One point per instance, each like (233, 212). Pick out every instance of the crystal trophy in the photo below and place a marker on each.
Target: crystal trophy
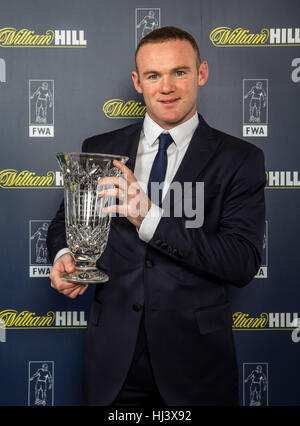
(87, 227)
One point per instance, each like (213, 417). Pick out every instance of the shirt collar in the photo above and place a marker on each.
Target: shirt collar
(181, 134)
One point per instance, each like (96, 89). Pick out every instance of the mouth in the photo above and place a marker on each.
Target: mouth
(168, 101)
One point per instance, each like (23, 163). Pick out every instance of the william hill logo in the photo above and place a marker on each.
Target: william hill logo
(25, 179)
(12, 37)
(117, 108)
(12, 319)
(266, 321)
(229, 37)
(282, 179)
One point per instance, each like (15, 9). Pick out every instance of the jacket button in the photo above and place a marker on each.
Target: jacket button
(149, 263)
(169, 249)
(164, 245)
(158, 242)
(136, 307)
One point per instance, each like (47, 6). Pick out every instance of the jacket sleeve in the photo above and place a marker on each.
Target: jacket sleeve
(233, 253)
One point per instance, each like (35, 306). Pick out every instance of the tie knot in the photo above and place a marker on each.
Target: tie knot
(165, 140)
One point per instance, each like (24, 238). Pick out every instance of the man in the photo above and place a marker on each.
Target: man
(160, 330)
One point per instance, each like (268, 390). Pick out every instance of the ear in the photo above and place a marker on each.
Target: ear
(136, 82)
(203, 73)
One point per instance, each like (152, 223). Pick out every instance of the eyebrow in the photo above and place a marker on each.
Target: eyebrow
(183, 68)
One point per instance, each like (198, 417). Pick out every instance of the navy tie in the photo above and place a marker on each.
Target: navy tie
(159, 167)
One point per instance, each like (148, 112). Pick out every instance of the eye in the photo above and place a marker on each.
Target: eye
(180, 73)
(153, 77)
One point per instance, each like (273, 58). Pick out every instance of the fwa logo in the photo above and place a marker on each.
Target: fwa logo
(41, 383)
(41, 108)
(146, 20)
(255, 107)
(39, 263)
(255, 384)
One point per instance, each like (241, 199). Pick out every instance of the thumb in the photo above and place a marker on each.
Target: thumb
(68, 262)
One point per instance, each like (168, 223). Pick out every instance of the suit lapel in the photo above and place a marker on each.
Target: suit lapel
(202, 147)
(130, 143)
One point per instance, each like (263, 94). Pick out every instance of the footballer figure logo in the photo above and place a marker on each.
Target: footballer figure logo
(40, 383)
(255, 106)
(38, 253)
(41, 108)
(146, 20)
(257, 102)
(255, 381)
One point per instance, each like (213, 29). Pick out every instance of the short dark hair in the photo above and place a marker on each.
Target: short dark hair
(163, 34)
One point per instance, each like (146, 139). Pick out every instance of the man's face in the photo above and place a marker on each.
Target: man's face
(168, 78)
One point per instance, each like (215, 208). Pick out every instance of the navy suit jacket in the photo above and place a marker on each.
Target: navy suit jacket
(179, 277)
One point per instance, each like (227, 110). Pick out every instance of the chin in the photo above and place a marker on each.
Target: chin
(172, 119)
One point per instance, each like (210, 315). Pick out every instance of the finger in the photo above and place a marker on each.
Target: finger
(74, 293)
(83, 289)
(123, 168)
(56, 271)
(122, 209)
(64, 264)
(70, 267)
(126, 172)
(69, 264)
(72, 289)
(78, 290)
(116, 181)
(112, 192)
(63, 286)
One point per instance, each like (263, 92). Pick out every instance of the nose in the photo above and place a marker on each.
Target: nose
(167, 85)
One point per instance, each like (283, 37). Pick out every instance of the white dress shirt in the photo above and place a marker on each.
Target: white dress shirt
(147, 150)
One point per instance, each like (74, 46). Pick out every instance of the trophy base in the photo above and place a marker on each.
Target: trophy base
(86, 276)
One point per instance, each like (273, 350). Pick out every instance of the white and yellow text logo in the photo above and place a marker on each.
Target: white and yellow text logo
(26, 179)
(281, 179)
(230, 37)
(13, 319)
(118, 108)
(24, 37)
(265, 321)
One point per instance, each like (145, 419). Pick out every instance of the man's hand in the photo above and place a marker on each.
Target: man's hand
(135, 203)
(65, 263)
